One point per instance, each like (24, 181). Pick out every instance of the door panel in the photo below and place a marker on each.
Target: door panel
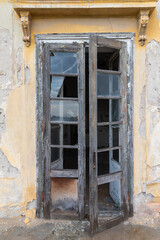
(108, 131)
(64, 121)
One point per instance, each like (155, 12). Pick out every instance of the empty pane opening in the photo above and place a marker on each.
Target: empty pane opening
(109, 197)
(108, 58)
(60, 86)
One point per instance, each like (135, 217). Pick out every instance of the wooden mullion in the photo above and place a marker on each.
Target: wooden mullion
(64, 122)
(107, 178)
(64, 74)
(65, 146)
(64, 99)
(108, 149)
(108, 72)
(109, 42)
(64, 173)
(109, 123)
(109, 97)
(62, 47)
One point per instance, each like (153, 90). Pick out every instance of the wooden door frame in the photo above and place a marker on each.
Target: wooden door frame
(40, 41)
(121, 175)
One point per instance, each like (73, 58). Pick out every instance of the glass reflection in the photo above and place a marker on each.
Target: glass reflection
(64, 110)
(108, 84)
(102, 84)
(115, 110)
(64, 62)
(115, 85)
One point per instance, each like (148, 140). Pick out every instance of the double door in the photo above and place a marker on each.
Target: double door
(85, 136)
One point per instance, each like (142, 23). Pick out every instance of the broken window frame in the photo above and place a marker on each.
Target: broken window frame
(41, 43)
(121, 175)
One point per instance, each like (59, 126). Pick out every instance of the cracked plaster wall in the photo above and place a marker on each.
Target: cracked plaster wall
(17, 107)
(17, 164)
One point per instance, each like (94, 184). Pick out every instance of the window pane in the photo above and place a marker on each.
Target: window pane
(70, 158)
(70, 134)
(55, 154)
(102, 84)
(115, 85)
(103, 136)
(108, 58)
(61, 87)
(115, 110)
(115, 132)
(55, 134)
(103, 110)
(103, 163)
(109, 198)
(108, 84)
(64, 110)
(64, 62)
(116, 155)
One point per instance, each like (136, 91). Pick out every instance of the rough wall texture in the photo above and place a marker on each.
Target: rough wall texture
(147, 201)
(17, 109)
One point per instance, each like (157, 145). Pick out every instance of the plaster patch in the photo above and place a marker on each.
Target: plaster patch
(153, 158)
(19, 67)
(6, 169)
(153, 174)
(142, 127)
(140, 202)
(27, 75)
(10, 188)
(154, 189)
(31, 204)
(158, 10)
(153, 73)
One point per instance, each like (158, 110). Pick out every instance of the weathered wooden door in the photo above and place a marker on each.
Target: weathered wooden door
(108, 196)
(64, 127)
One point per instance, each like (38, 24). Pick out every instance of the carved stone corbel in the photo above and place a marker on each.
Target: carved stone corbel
(143, 20)
(26, 27)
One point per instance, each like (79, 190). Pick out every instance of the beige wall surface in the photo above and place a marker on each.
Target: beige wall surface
(18, 115)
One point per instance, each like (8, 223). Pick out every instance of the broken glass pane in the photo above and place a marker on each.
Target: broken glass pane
(61, 87)
(64, 62)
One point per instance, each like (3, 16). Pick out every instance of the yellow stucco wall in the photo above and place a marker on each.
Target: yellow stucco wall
(18, 142)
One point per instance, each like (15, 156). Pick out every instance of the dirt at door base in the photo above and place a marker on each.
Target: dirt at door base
(39, 229)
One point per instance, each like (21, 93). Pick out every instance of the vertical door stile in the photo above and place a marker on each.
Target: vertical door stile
(117, 185)
(93, 193)
(46, 135)
(123, 132)
(81, 133)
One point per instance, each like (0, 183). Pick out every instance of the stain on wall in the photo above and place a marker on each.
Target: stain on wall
(153, 116)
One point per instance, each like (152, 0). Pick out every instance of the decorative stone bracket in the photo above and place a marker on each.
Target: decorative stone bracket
(143, 20)
(26, 27)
